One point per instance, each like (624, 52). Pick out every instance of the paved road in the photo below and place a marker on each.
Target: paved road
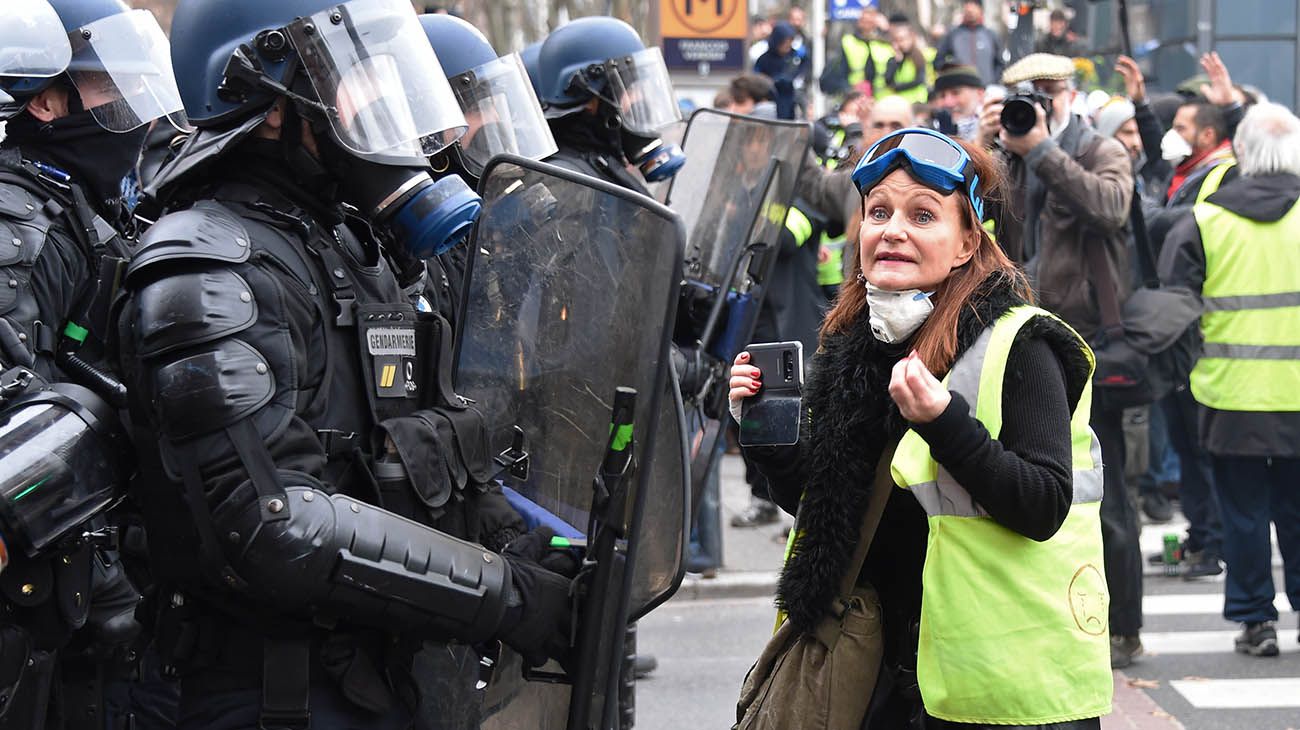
(1189, 675)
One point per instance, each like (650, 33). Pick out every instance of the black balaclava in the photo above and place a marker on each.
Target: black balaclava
(96, 158)
(599, 132)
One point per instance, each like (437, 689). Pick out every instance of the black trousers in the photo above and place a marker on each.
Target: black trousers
(1199, 502)
(1119, 527)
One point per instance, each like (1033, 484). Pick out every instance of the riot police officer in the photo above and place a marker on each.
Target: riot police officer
(87, 80)
(607, 97)
(293, 427)
(504, 117)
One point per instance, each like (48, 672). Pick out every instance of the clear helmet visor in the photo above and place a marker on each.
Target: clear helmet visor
(370, 62)
(503, 114)
(122, 68)
(640, 85)
(33, 43)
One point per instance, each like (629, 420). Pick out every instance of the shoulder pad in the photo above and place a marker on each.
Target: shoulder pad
(209, 390)
(206, 232)
(17, 203)
(19, 242)
(189, 308)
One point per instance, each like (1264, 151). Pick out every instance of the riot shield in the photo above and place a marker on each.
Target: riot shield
(572, 298)
(733, 193)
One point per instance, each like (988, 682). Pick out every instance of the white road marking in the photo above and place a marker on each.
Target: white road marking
(1175, 604)
(1240, 694)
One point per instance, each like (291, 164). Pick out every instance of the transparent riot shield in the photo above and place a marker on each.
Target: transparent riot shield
(733, 193)
(572, 298)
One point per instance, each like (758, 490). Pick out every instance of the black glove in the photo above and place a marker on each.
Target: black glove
(499, 524)
(543, 613)
(535, 545)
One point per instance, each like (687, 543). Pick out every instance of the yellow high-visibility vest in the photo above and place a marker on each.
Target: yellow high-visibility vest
(858, 53)
(1013, 631)
(1250, 358)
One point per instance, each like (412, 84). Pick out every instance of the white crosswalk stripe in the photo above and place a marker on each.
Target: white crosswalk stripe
(1186, 604)
(1231, 694)
(1171, 610)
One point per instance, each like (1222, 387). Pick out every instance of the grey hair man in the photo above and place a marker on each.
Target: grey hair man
(1239, 251)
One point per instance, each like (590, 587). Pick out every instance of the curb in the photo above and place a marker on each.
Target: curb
(734, 584)
(1134, 709)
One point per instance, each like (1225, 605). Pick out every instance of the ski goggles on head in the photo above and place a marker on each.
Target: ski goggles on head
(932, 158)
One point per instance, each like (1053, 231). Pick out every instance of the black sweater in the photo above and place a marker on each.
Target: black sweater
(1023, 478)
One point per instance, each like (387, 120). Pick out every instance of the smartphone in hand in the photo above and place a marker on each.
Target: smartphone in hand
(772, 416)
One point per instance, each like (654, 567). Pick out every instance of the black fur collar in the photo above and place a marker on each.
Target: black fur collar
(852, 419)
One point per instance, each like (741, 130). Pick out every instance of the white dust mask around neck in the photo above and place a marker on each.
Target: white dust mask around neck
(895, 315)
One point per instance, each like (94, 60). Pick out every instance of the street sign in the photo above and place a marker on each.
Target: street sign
(849, 9)
(704, 35)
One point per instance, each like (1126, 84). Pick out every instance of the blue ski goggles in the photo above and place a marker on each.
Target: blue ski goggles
(932, 158)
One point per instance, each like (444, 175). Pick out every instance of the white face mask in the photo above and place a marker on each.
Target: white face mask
(1173, 148)
(895, 315)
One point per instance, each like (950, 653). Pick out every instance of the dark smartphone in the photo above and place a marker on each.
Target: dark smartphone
(772, 416)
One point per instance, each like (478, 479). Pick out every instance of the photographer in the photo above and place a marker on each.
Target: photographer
(1065, 215)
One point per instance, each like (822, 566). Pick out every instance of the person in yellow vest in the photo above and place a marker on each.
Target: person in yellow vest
(909, 72)
(988, 559)
(1240, 251)
(862, 57)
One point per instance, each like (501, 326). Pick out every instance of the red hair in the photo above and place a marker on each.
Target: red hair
(936, 341)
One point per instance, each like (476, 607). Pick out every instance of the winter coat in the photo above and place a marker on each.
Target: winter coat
(1078, 192)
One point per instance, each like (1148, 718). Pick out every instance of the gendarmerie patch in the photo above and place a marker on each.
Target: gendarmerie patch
(390, 341)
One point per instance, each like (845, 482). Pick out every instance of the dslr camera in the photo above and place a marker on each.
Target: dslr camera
(1018, 110)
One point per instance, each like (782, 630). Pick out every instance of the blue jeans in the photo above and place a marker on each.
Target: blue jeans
(1254, 491)
(1165, 463)
(706, 521)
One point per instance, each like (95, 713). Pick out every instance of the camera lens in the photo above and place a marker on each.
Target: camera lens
(1019, 115)
(788, 366)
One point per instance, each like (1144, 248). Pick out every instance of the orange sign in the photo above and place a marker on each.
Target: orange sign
(703, 18)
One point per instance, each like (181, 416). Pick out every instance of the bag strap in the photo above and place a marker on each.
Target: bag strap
(828, 630)
(1142, 239)
(881, 488)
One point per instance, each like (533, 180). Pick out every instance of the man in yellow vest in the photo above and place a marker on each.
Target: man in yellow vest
(1240, 251)
(862, 57)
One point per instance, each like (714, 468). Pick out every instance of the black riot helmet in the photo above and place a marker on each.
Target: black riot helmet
(494, 92)
(364, 77)
(605, 59)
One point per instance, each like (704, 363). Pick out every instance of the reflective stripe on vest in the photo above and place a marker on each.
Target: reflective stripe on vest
(1250, 360)
(799, 226)
(1013, 631)
(1213, 179)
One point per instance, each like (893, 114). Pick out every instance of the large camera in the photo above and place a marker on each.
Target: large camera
(1020, 110)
